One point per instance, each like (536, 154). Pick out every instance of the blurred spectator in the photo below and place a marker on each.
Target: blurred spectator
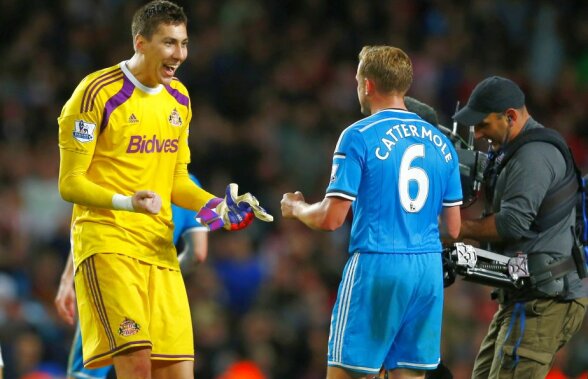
(243, 370)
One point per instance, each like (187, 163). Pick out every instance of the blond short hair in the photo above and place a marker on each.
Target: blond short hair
(389, 67)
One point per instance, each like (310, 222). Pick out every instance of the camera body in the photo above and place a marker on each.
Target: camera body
(471, 170)
(471, 163)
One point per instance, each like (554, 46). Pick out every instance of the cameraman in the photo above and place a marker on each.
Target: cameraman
(531, 324)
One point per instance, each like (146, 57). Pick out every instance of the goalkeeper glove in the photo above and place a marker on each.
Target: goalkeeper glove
(233, 212)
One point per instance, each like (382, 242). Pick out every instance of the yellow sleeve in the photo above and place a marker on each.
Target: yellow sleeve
(75, 187)
(79, 127)
(183, 148)
(185, 193)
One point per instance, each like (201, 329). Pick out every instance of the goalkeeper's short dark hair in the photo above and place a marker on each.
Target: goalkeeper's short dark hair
(424, 111)
(147, 18)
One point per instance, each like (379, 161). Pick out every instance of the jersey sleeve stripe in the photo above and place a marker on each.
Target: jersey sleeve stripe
(344, 195)
(339, 155)
(452, 203)
(401, 120)
(120, 97)
(90, 105)
(180, 97)
(94, 87)
(93, 83)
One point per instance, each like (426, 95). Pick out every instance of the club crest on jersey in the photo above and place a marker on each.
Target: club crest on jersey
(128, 327)
(174, 118)
(84, 131)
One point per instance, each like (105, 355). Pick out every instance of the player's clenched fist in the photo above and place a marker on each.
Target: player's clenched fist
(146, 202)
(289, 201)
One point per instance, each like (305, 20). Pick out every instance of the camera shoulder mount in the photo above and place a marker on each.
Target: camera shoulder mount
(486, 267)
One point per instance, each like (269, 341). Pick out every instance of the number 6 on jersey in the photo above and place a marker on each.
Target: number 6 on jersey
(408, 173)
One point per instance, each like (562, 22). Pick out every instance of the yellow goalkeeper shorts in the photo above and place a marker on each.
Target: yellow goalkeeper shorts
(125, 303)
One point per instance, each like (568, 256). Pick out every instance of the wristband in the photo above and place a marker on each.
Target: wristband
(122, 203)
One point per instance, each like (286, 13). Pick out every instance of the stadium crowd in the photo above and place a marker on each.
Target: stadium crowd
(272, 85)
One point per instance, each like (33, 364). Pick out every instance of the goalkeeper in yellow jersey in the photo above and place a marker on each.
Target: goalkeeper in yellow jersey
(123, 139)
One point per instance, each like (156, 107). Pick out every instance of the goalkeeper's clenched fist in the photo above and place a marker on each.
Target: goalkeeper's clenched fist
(234, 212)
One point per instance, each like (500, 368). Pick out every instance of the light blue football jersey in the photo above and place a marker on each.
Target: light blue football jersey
(399, 171)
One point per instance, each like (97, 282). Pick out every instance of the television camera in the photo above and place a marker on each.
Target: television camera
(536, 272)
(485, 267)
(471, 162)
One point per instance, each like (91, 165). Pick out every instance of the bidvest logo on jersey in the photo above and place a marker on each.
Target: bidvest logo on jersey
(140, 144)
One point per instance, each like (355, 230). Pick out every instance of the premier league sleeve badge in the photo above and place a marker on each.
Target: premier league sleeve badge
(84, 131)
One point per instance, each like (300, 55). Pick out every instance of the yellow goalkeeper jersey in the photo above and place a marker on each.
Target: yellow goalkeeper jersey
(119, 136)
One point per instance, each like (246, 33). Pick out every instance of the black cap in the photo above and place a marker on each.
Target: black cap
(492, 95)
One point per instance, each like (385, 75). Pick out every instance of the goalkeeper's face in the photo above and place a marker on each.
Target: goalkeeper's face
(163, 53)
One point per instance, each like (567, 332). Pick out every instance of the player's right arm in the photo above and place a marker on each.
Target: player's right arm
(79, 127)
(75, 187)
(328, 215)
(331, 212)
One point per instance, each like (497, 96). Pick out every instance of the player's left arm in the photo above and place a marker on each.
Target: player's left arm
(329, 214)
(185, 193)
(233, 212)
(450, 223)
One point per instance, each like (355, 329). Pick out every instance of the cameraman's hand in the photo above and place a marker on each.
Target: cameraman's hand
(449, 273)
(441, 372)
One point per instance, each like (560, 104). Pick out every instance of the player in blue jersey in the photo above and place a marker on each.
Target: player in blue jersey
(195, 241)
(398, 174)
